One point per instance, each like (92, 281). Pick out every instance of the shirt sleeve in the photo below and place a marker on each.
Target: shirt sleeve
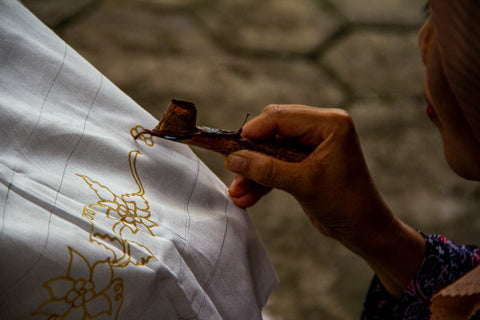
(444, 263)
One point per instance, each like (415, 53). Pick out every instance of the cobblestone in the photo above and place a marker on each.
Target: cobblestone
(231, 57)
(385, 12)
(276, 26)
(368, 61)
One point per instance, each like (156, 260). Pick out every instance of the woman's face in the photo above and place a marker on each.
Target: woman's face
(461, 148)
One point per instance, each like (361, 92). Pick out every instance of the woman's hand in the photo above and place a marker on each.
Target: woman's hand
(332, 184)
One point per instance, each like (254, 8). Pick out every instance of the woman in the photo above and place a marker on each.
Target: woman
(335, 190)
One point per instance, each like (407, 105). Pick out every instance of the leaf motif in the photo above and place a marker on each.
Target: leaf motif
(59, 287)
(102, 276)
(78, 268)
(102, 192)
(140, 255)
(54, 309)
(98, 306)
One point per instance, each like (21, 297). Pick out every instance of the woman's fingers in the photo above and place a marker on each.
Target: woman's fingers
(308, 125)
(239, 186)
(245, 193)
(264, 170)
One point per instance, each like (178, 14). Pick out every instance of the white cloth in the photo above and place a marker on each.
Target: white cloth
(96, 225)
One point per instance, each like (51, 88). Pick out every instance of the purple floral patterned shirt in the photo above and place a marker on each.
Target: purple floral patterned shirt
(445, 262)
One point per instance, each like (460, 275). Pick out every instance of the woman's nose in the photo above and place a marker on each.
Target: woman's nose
(425, 36)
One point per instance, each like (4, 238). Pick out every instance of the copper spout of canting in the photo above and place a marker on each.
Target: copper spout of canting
(178, 123)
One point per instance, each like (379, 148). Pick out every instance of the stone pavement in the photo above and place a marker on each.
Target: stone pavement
(231, 57)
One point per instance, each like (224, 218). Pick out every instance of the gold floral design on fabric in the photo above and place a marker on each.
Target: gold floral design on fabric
(120, 224)
(85, 292)
(147, 138)
(127, 215)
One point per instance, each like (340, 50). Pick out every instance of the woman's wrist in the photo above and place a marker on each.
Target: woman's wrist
(394, 250)
(403, 255)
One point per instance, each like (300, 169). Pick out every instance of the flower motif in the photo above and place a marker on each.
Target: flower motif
(125, 215)
(147, 138)
(129, 212)
(85, 292)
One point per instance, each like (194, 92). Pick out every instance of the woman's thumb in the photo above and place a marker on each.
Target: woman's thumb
(261, 168)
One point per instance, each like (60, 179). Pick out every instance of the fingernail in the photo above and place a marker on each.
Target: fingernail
(236, 164)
